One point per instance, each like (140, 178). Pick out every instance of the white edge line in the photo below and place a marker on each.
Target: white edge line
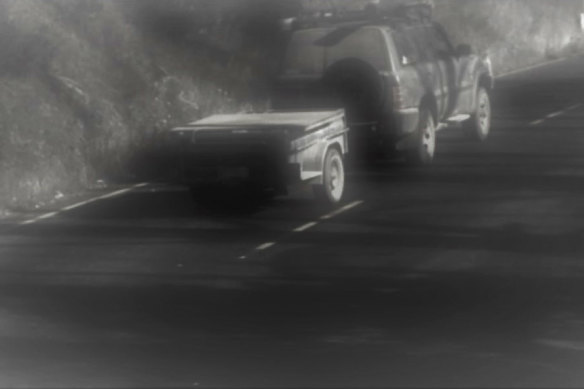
(532, 67)
(536, 122)
(114, 194)
(82, 203)
(47, 215)
(73, 206)
(305, 227)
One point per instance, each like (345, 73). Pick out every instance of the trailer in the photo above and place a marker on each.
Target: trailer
(265, 151)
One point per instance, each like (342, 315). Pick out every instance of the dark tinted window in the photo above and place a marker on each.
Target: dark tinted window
(306, 54)
(406, 46)
(422, 42)
(414, 44)
(438, 41)
(303, 56)
(366, 44)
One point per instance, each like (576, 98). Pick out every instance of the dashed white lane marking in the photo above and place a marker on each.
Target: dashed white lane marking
(306, 226)
(341, 210)
(82, 203)
(554, 114)
(265, 246)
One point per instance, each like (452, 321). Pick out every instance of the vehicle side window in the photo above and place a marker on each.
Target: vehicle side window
(439, 41)
(406, 47)
(422, 42)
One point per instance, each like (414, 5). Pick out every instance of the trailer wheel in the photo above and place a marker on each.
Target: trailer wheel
(333, 177)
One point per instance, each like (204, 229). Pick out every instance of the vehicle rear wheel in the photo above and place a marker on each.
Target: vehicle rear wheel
(333, 176)
(479, 125)
(423, 152)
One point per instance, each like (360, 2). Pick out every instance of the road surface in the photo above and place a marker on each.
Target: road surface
(470, 273)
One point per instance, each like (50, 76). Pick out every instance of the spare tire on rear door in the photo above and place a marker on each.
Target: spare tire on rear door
(359, 88)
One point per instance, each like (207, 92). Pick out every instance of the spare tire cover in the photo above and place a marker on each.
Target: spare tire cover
(357, 86)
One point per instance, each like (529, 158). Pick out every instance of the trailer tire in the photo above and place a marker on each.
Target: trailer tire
(333, 178)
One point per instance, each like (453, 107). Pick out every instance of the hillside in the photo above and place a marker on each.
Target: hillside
(86, 86)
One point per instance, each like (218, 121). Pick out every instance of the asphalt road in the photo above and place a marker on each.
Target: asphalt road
(470, 273)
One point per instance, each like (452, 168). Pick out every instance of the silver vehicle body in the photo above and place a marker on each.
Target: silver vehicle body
(412, 65)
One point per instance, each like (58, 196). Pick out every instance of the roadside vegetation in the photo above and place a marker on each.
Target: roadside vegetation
(515, 33)
(88, 86)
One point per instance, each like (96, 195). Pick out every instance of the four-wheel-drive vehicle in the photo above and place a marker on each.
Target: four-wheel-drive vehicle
(393, 78)
(266, 152)
(395, 73)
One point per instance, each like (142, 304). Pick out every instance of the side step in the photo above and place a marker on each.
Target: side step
(457, 120)
(453, 121)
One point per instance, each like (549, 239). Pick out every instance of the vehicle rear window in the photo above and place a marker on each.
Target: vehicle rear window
(413, 44)
(303, 56)
(306, 56)
(439, 41)
(366, 44)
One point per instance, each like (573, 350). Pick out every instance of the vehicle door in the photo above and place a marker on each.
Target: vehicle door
(439, 72)
(415, 68)
(445, 68)
(456, 72)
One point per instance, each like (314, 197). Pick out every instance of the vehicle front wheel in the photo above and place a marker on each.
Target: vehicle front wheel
(479, 124)
(422, 153)
(333, 178)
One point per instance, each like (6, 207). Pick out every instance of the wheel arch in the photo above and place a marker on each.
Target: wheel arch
(335, 144)
(429, 102)
(486, 81)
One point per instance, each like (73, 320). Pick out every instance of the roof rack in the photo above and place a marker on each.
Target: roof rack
(410, 13)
